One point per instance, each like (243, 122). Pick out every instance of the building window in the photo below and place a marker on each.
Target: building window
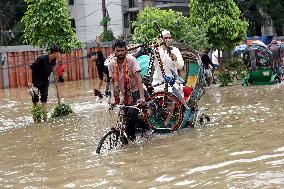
(71, 2)
(126, 20)
(131, 3)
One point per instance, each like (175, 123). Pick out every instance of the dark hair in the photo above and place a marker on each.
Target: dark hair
(91, 53)
(119, 43)
(207, 50)
(54, 48)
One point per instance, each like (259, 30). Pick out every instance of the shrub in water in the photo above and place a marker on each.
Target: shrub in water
(233, 71)
(37, 113)
(224, 78)
(61, 110)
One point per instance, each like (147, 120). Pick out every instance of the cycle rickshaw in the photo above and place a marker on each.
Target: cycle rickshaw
(259, 62)
(185, 112)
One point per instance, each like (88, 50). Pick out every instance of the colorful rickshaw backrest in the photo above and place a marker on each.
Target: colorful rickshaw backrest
(257, 55)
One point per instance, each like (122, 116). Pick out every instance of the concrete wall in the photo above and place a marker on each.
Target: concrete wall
(88, 14)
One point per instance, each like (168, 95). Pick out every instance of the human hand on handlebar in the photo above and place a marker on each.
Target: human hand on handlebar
(141, 102)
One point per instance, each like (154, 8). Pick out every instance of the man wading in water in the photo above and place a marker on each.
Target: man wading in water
(127, 82)
(41, 70)
(98, 58)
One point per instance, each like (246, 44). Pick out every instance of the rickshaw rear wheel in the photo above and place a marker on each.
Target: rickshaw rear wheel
(159, 103)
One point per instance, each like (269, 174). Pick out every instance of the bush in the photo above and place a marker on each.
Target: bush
(224, 78)
(233, 71)
(61, 110)
(37, 113)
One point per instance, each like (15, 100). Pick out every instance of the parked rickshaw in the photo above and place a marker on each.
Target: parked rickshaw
(259, 62)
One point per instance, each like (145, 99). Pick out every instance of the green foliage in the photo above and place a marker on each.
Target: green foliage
(37, 113)
(47, 22)
(105, 21)
(237, 67)
(221, 18)
(107, 36)
(15, 35)
(11, 12)
(145, 31)
(61, 110)
(195, 37)
(253, 11)
(224, 78)
(233, 71)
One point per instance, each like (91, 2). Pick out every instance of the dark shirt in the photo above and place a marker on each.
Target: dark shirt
(100, 60)
(41, 70)
(206, 61)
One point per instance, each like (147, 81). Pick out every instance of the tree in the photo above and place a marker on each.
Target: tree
(104, 10)
(47, 22)
(11, 12)
(179, 26)
(107, 34)
(195, 37)
(222, 20)
(259, 12)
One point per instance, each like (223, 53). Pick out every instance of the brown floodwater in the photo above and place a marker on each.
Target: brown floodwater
(242, 147)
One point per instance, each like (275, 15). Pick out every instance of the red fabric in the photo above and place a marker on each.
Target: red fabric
(60, 70)
(187, 92)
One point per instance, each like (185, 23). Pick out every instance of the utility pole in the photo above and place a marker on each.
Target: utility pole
(104, 14)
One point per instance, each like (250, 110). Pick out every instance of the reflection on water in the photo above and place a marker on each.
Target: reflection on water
(241, 148)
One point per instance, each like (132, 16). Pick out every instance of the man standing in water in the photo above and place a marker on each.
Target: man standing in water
(41, 70)
(98, 58)
(124, 71)
(206, 64)
(277, 60)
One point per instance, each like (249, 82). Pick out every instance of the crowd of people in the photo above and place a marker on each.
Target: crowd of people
(123, 75)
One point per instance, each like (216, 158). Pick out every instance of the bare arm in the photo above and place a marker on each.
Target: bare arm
(98, 41)
(140, 85)
(112, 91)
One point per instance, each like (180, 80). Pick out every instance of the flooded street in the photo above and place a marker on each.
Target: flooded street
(243, 146)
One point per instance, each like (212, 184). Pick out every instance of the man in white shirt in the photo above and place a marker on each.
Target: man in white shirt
(172, 60)
(215, 59)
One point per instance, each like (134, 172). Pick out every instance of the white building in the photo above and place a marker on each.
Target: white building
(87, 15)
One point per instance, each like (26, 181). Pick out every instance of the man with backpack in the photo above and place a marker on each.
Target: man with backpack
(41, 70)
